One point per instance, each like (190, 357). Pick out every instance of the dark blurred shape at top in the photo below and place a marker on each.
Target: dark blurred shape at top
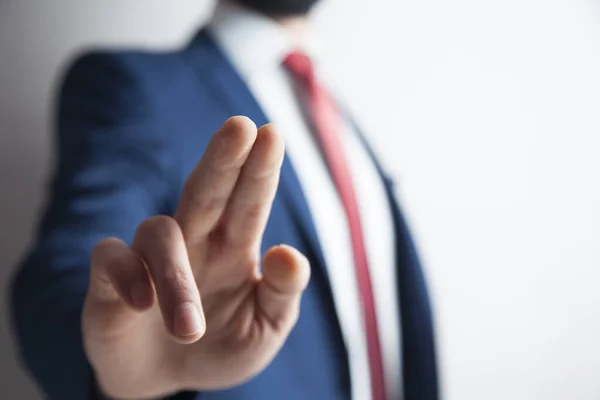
(280, 8)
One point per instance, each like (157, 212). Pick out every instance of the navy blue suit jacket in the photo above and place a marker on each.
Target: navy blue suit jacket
(130, 127)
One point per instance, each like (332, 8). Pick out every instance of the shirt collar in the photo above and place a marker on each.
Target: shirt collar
(252, 41)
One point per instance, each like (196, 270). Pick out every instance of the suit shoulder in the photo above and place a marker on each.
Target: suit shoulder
(133, 80)
(123, 65)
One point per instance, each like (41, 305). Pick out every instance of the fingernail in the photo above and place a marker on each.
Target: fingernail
(141, 295)
(187, 320)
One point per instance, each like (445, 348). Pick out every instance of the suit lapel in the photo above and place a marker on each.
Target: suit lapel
(420, 375)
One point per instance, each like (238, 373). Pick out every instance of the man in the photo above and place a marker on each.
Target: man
(146, 281)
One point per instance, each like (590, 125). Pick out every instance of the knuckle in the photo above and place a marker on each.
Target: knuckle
(103, 253)
(174, 274)
(249, 260)
(228, 161)
(253, 210)
(200, 200)
(109, 261)
(210, 203)
(159, 226)
(101, 249)
(176, 283)
(264, 170)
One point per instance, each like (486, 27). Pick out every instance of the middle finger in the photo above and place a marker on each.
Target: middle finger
(248, 209)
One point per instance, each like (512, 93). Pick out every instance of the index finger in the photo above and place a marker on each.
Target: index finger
(210, 184)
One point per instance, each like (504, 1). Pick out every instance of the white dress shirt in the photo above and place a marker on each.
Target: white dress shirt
(257, 46)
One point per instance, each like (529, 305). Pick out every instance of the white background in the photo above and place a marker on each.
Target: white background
(488, 114)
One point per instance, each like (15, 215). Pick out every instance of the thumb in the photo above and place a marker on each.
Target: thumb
(286, 273)
(119, 286)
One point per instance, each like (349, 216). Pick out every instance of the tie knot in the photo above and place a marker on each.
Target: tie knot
(300, 65)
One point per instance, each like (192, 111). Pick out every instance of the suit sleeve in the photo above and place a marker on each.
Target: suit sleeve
(111, 172)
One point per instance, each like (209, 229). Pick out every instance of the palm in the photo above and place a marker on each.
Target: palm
(205, 259)
(239, 333)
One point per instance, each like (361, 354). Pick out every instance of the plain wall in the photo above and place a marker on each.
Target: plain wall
(488, 114)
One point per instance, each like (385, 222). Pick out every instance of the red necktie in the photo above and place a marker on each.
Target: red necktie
(328, 124)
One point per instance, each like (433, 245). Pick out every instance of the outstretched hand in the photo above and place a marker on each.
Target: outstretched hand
(186, 307)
